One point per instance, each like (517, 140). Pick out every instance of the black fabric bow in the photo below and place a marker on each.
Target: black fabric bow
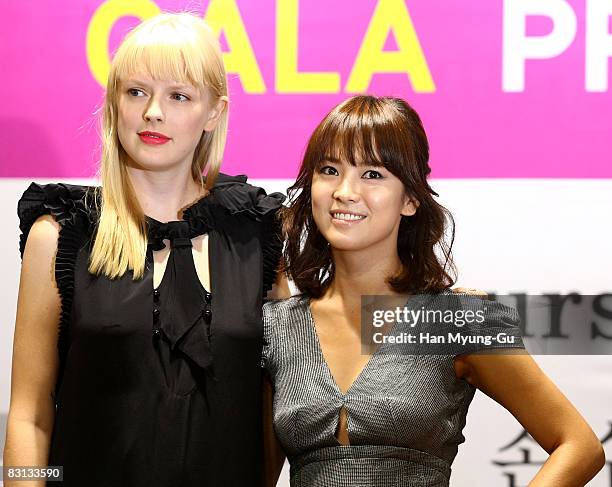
(178, 232)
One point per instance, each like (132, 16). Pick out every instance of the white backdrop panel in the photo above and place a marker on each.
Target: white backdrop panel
(530, 236)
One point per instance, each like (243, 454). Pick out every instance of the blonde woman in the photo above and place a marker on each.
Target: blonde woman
(138, 332)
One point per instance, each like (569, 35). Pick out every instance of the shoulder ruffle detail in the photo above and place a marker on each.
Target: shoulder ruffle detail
(232, 196)
(238, 197)
(271, 247)
(66, 203)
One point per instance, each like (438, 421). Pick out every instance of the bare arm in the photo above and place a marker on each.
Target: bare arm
(35, 358)
(274, 457)
(517, 383)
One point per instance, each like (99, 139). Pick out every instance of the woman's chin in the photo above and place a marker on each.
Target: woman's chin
(348, 244)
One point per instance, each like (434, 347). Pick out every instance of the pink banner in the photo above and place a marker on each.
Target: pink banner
(510, 89)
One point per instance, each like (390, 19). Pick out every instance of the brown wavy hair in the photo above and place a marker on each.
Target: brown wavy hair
(386, 132)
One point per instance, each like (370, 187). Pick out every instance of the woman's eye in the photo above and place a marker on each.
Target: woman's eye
(134, 92)
(372, 175)
(329, 170)
(180, 97)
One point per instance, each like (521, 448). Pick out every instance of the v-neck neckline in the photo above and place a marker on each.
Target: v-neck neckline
(326, 366)
(313, 327)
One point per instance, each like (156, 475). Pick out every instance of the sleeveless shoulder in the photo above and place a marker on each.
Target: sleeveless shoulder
(231, 200)
(483, 323)
(501, 323)
(71, 205)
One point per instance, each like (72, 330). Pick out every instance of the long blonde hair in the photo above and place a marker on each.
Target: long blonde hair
(180, 47)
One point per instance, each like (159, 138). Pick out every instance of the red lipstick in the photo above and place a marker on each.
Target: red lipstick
(153, 138)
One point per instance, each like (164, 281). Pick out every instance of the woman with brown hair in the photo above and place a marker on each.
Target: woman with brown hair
(363, 222)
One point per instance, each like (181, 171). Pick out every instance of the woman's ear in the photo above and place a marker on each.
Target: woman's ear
(215, 114)
(410, 206)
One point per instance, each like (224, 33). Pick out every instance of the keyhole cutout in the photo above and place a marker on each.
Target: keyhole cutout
(199, 252)
(342, 429)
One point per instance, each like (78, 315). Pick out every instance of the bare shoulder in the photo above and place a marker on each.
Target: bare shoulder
(471, 291)
(42, 242)
(44, 231)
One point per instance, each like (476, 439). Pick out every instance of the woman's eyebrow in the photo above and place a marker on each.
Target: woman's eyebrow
(134, 81)
(181, 86)
(173, 86)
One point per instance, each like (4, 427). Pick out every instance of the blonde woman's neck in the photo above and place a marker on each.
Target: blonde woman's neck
(164, 195)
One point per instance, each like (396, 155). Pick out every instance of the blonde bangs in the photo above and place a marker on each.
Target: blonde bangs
(178, 47)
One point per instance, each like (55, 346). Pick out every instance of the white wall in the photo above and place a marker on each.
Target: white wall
(512, 235)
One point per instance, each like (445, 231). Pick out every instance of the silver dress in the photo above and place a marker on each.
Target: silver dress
(405, 413)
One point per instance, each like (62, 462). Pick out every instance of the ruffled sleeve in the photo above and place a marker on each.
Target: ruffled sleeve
(272, 247)
(67, 204)
(233, 196)
(241, 198)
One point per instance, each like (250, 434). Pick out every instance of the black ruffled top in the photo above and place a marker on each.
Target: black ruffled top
(161, 387)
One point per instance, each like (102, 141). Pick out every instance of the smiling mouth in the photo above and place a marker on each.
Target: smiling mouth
(351, 217)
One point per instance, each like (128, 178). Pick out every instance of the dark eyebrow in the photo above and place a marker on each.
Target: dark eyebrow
(335, 160)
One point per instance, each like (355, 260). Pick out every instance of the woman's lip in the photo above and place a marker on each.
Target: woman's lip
(344, 212)
(152, 140)
(342, 222)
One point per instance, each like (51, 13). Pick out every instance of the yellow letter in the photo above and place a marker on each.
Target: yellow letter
(390, 15)
(223, 15)
(288, 79)
(100, 27)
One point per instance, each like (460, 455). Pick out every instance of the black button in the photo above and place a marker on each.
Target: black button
(156, 312)
(156, 295)
(156, 332)
(208, 297)
(207, 314)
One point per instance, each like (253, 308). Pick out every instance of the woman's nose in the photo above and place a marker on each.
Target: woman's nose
(347, 190)
(154, 111)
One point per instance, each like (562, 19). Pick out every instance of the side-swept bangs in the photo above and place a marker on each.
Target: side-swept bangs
(367, 130)
(343, 136)
(372, 131)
